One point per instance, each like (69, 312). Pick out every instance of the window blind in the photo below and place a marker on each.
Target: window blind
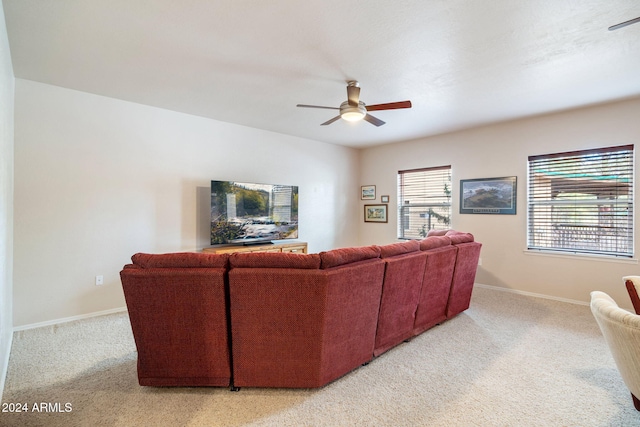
(424, 201)
(582, 201)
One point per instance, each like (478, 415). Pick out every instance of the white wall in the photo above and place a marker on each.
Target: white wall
(99, 179)
(502, 150)
(6, 199)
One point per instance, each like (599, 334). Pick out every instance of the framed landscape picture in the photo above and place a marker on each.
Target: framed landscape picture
(488, 196)
(375, 213)
(368, 192)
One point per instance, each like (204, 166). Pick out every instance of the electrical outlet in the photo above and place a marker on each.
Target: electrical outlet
(99, 280)
(479, 261)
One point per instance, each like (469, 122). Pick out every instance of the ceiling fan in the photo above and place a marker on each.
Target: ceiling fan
(353, 109)
(624, 24)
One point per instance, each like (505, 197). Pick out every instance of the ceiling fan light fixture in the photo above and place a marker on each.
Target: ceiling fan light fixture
(351, 113)
(352, 116)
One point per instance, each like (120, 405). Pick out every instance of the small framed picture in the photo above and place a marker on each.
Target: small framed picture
(368, 192)
(384, 199)
(375, 213)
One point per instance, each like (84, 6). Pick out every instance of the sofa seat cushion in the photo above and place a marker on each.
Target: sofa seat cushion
(394, 249)
(180, 260)
(434, 242)
(338, 257)
(275, 260)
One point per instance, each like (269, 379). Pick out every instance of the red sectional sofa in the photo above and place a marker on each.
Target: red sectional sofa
(303, 321)
(404, 271)
(436, 283)
(178, 312)
(289, 320)
(468, 254)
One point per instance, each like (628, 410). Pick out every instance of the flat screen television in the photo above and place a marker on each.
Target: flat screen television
(247, 213)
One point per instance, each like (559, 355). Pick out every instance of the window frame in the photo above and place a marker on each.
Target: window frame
(405, 217)
(562, 191)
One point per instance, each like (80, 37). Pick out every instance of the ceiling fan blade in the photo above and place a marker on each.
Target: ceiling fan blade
(389, 106)
(353, 93)
(317, 106)
(373, 120)
(328, 122)
(624, 24)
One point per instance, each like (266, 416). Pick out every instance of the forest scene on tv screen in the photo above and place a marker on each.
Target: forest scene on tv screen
(246, 212)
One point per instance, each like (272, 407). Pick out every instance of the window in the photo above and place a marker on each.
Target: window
(424, 201)
(582, 202)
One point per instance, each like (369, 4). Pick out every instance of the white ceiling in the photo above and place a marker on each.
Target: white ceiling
(462, 63)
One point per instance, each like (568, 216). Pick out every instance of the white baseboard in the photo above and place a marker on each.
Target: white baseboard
(69, 319)
(532, 294)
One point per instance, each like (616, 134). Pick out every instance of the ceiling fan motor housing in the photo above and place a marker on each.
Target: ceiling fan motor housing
(352, 113)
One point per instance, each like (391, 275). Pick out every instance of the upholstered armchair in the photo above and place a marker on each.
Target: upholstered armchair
(621, 330)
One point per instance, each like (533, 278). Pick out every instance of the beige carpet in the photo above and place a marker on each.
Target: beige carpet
(509, 360)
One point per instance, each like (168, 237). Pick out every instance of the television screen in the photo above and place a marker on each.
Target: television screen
(243, 212)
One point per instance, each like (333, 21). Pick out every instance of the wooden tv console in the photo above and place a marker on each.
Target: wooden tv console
(294, 247)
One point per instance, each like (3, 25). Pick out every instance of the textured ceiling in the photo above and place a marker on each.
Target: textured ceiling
(462, 63)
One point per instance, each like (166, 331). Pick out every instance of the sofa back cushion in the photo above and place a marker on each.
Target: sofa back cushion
(458, 237)
(433, 242)
(275, 260)
(337, 257)
(394, 249)
(180, 260)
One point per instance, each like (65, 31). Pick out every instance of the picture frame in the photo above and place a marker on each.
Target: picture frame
(375, 213)
(368, 192)
(488, 196)
(384, 199)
